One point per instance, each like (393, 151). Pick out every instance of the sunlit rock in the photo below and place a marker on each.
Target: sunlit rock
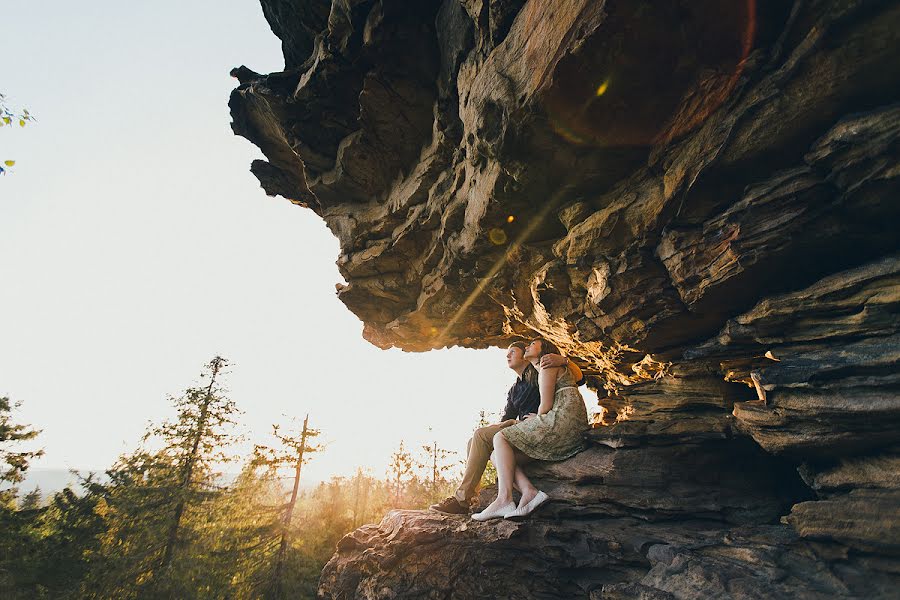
(695, 200)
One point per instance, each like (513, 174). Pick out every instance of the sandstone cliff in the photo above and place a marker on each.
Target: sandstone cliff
(677, 193)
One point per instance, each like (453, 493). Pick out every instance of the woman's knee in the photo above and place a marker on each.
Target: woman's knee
(499, 440)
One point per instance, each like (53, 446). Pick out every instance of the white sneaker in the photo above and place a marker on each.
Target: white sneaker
(522, 511)
(496, 513)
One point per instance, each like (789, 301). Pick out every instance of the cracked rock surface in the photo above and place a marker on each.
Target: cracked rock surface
(678, 194)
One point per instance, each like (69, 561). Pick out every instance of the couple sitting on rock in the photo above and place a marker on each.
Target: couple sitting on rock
(545, 419)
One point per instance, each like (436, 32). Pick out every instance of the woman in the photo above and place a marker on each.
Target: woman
(554, 433)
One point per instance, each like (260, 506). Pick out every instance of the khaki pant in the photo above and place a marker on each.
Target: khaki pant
(479, 449)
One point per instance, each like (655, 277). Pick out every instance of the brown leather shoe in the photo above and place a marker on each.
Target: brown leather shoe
(450, 506)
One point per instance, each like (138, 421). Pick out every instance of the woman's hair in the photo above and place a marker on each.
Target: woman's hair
(530, 375)
(547, 347)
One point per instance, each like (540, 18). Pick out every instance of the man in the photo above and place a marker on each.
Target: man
(522, 402)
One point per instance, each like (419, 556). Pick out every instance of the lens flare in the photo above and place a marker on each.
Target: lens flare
(673, 67)
(504, 258)
(497, 236)
(510, 219)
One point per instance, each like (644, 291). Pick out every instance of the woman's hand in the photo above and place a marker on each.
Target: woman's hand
(553, 360)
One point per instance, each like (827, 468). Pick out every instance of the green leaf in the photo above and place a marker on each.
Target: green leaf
(9, 163)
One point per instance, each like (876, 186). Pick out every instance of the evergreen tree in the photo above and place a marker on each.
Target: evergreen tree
(161, 526)
(67, 532)
(157, 499)
(196, 439)
(16, 539)
(32, 500)
(437, 464)
(246, 522)
(295, 451)
(47, 548)
(362, 492)
(401, 473)
(13, 460)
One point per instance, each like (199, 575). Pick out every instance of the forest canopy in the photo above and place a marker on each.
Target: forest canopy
(165, 520)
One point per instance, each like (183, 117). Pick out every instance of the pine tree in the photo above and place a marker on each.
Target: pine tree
(400, 468)
(156, 500)
(69, 529)
(295, 451)
(247, 522)
(32, 500)
(437, 465)
(361, 490)
(196, 439)
(13, 460)
(16, 537)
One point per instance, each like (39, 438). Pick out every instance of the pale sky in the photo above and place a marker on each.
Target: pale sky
(135, 245)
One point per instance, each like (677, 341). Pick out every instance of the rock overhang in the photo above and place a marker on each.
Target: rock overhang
(687, 199)
(418, 133)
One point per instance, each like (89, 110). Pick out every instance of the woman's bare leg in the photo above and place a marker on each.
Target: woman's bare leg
(525, 486)
(505, 464)
(515, 482)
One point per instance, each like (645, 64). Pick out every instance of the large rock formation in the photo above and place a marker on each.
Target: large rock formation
(696, 199)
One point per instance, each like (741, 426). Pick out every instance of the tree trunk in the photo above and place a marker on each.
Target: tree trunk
(172, 538)
(434, 449)
(356, 498)
(289, 514)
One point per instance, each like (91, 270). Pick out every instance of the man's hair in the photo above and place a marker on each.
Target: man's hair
(530, 374)
(518, 344)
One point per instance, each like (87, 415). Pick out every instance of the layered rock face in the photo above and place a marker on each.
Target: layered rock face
(696, 199)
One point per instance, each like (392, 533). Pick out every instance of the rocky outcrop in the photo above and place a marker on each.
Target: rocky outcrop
(833, 366)
(680, 521)
(697, 200)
